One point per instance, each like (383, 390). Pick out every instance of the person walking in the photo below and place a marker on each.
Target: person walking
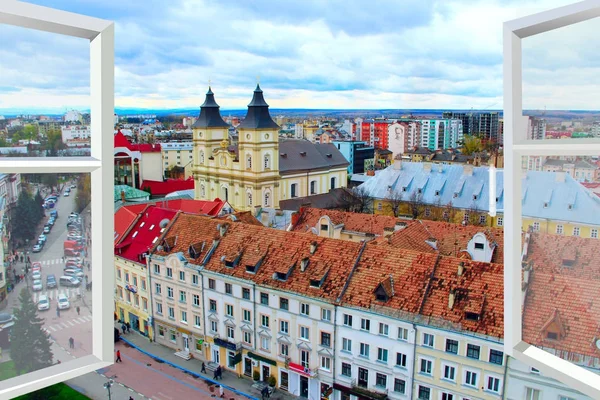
(216, 375)
(71, 343)
(124, 328)
(203, 370)
(57, 311)
(78, 310)
(128, 325)
(119, 356)
(219, 372)
(221, 391)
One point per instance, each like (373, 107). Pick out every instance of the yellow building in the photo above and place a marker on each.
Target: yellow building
(132, 299)
(178, 155)
(261, 169)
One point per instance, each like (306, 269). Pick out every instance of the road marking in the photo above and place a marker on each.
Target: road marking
(65, 325)
(77, 321)
(53, 329)
(72, 324)
(83, 320)
(87, 318)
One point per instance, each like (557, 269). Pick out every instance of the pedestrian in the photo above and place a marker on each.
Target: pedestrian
(128, 325)
(130, 398)
(203, 370)
(124, 328)
(119, 356)
(71, 343)
(88, 266)
(216, 375)
(57, 311)
(220, 372)
(78, 310)
(264, 392)
(221, 391)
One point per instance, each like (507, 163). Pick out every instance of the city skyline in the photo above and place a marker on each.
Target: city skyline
(434, 56)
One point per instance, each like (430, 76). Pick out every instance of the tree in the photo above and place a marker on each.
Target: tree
(30, 132)
(394, 203)
(471, 144)
(362, 200)
(50, 180)
(84, 193)
(449, 212)
(15, 138)
(54, 142)
(28, 214)
(29, 343)
(416, 204)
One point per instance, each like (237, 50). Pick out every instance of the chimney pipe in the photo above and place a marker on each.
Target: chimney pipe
(461, 269)
(303, 264)
(223, 229)
(451, 298)
(313, 247)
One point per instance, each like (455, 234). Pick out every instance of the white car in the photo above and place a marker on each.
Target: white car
(43, 303)
(36, 275)
(37, 285)
(63, 302)
(66, 194)
(42, 238)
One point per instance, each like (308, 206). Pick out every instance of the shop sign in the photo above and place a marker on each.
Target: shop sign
(226, 344)
(300, 369)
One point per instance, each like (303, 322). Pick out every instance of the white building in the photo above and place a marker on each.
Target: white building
(403, 136)
(73, 116)
(75, 132)
(440, 133)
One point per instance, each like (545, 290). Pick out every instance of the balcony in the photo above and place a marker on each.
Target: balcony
(359, 390)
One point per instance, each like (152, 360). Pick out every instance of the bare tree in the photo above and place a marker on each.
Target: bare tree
(416, 205)
(363, 202)
(437, 212)
(449, 212)
(474, 214)
(394, 202)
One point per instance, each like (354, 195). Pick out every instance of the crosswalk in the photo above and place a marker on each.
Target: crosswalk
(71, 293)
(47, 263)
(82, 320)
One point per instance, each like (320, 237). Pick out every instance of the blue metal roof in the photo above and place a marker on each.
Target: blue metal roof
(567, 199)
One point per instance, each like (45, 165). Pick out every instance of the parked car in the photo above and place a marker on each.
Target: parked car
(77, 273)
(51, 282)
(66, 194)
(37, 285)
(73, 186)
(43, 303)
(42, 238)
(35, 275)
(63, 302)
(74, 264)
(46, 229)
(37, 248)
(51, 221)
(69, 281)
(54, 214)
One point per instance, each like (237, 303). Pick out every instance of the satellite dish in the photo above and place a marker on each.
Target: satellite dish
(164, 223)
(598, 343)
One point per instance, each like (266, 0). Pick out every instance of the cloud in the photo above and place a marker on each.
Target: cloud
(308, 54)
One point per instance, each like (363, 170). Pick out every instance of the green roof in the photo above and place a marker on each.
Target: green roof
(130, 193)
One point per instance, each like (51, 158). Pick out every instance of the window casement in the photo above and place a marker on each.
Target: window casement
(267, 161)
(470, 378)
(428, 340)
(425, 366)
(248, 161)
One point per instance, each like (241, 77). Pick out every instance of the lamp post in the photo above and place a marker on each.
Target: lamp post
(108, 385)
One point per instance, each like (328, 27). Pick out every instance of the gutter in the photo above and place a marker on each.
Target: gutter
(149, 279)
(413, 385)
(254, 319)
(335, 308)
(505, 376)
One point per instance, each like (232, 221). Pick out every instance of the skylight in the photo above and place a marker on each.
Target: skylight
(151, 227)
(142, 224)
(155, 239)
(134, 234)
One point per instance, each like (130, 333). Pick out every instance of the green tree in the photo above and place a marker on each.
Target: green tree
(50, 180)
(471, 144)
(28, 214)
(15, 138)
(54, 142)
(84, 193)
(29, 344)
(30, 132)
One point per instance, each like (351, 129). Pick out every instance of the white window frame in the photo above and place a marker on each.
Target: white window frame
(516, 146)
(99, 165)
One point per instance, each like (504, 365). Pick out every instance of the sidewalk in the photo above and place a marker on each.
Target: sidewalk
(230, 379)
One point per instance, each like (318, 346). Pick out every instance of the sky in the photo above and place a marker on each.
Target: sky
(333, 54)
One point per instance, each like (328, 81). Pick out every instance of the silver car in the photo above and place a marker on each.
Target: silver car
(37, 285)
(43, 303)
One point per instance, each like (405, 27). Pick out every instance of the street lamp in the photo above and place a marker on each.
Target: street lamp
(109, 384)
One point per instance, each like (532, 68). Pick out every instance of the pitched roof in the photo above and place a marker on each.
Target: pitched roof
(158, 188)
(309, 217)
(302, 155)
(258, 116)
(122, 141)
(335, 198)
(131, 193)
(244, 217)
(124, 217)
(564, 280)
(144, 233)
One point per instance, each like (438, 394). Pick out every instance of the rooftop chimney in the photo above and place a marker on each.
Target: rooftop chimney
(432, 242)
(303, 264)
(123, 196)
(451, 298)
(223, 229)
(397, 164)
(313, 247)
(461, 269)
(400, 225)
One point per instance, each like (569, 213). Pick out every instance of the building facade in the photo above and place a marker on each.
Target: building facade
(356, 152)
(178, 155)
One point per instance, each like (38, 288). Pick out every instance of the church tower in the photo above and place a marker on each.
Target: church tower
(258, 152)
(209, 132)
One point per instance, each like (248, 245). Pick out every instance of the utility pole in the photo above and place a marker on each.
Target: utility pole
(108, 385)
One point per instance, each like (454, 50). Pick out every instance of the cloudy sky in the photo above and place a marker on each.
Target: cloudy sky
(307, 54)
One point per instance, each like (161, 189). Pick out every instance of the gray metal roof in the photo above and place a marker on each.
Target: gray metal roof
(301, 155)
(258, 116)
(210, 116)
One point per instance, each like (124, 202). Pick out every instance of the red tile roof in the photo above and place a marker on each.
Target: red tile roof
(204, 207)
(158, 188)
(564, 281)
(245, 217)
(142, 235)
(124, 217)
(122, 141)
(308, 218)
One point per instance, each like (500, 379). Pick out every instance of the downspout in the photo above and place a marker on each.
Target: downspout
(335, 307)
(202, 264)
(149, 280)
(254, 315)
(413, 384)
(505, 376)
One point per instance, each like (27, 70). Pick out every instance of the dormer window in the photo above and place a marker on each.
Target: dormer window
(546, 205)
(552, 335)
(455, 195)
(474, 197)
(570, 206)
(437, 192)
(471, 316)
(404, 189)
(497, 199)
(479, 246)
(324, 227)
(281, 276)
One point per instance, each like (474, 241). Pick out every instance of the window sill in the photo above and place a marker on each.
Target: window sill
(172, 318)
(448, 380)
(400, 367)
(470, 387)
(184, 322)
(425, 374)
(381, 362)
(363, 357)
(346, 351)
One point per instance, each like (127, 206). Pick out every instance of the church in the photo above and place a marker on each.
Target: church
(261, 169)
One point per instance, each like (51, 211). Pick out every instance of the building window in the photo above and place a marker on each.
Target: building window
(347, 345)
(195, 280)
(265, 343)
(305, 358)
(473, 351)
(247, 337)
(294, 190)
(313, 187)
(304, 309)
(347, 370)
(559, 229)
(348, 320)
(249, 198)
(326, 363)
(533, 394)
(482, 219)
(264, 321)
(426, 366)
(401, 360)
(264, 299)
(169, 292)
(325, 339)
(493, 384)
(471, 378)
(451, 346)
(246, 293)
(173, 336)
(230, 332)
(267, 161)
(158, 288)
(228, 288)
(201, 157)
(284, 327)
(182, 296)
(427, 212)
(427, 340)
(214, 327)
(304, 333)
(197, 321)
(184, 317)
(364, 350)
(169, 272)
(380, 380)
(447, 396)
(594, 234)
(212, 305)
(246, 315)
(284, 349)
(248, 161)
(536, 226)
(384, 329)
(284, 303)
(267, 199)
(496, 357)
(402, 333)
(229, 310)
(449, 372)
(159, 309)
(399, 386)
(182, 276)
(365, 324)
(500, 221)
(171, 312)
(161, 331)
(324, 227)
(211, 284)
(332, 182)
(202, 190)
(382, 355)
(424, 393)
(325, 314)
(576, 231)
(196, 300)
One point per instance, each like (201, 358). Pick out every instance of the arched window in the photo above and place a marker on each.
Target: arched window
(267, 199)
(202, 190)
(249, 198)
(313, 187)
(201, 157)
(267, 161)
(333, 183)
(248, 161)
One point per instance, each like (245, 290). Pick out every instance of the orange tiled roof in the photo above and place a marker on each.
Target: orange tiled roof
(188, 229)
(245, 217)
(355, 222)
(564, 282)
